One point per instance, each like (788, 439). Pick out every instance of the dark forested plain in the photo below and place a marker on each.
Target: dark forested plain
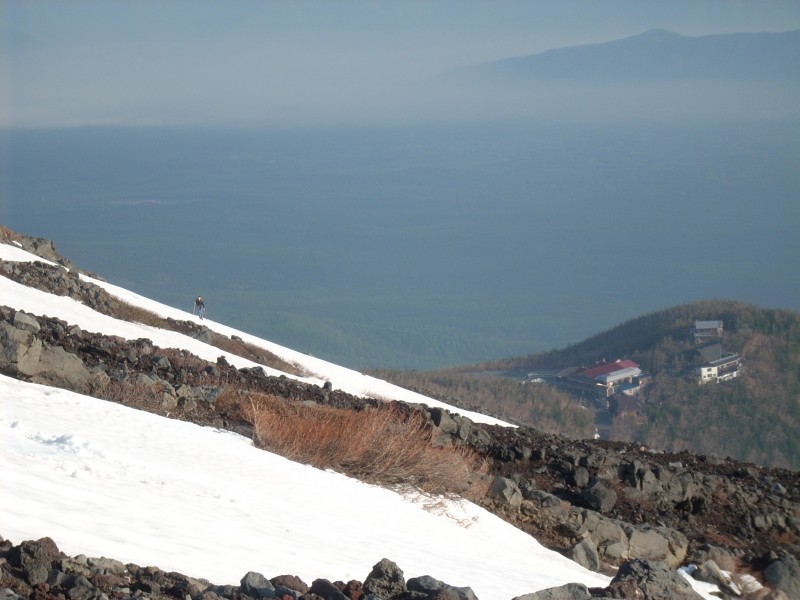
(422, 246)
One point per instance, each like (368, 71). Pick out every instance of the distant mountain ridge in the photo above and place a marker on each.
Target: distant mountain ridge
(656, 55)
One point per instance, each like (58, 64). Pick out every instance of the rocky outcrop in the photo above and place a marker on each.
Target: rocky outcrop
(38, 570)
(35, 245)
(64, 282)
(60, 281)
(630, 502)
(596, 536)
(25, 356)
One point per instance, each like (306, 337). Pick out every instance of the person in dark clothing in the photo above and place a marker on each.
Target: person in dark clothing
(199, 307)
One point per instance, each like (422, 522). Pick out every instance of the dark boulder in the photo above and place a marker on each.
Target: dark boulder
(35, 559)
(784, 575)
(600, 496)
(80, 588)
(292, 582)
(570, 591)
(354, 590)
(585, 554)
(327, 590)
(652, 580)
(506, 491)
(256, 585)
(385, 580)
(710, 572)
(435, 589)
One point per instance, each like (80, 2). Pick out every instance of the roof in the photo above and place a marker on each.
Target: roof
(619, 374)
(732, 358)
(708, 324)
(607, 368)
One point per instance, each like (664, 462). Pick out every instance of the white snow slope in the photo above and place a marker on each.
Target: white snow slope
(105, 480)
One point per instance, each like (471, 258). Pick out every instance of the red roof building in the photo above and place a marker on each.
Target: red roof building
(605, 369)
(604, 380)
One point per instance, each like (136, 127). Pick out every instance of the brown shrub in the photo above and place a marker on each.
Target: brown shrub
(183, 359)
(233, 404)
(256, 354)
(135, 394)
(128, 312)
(377, 445)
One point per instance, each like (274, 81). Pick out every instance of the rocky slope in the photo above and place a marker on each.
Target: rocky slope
(37, 570)
(606, 505)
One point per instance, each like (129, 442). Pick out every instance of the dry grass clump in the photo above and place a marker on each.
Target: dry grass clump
(256, 354)
(134, 314)
(377, 445)
(183, 359)
(141, 394)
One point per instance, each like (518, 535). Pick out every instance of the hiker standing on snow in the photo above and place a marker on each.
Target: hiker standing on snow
(199, 307)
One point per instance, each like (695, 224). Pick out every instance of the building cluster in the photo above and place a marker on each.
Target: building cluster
(617, 385)
(718, 364)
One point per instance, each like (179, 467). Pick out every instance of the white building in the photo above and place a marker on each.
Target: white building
(719, 370)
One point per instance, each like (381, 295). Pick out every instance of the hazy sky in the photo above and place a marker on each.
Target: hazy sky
(241, 62)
